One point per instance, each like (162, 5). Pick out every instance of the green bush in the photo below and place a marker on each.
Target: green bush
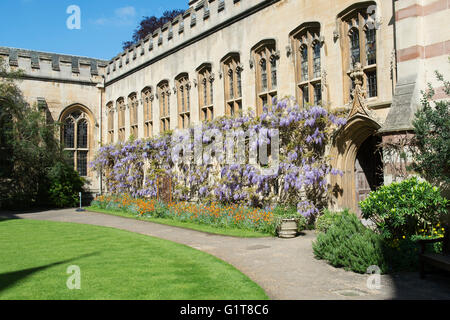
(324, 221)
(403, 208)
(65, 185)
(349, 244)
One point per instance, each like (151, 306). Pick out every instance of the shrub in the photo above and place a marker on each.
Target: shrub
(403, 208)
(65, 185)
(349, 244)
(328, 218)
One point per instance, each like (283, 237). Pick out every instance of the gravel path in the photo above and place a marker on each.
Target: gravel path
(285, 268)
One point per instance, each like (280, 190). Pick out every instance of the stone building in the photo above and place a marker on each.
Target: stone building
(369, 59)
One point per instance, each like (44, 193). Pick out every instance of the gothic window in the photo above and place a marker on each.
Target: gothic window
(360, 41)
(75, 137)
(133, 106)
(121, 111)
(206, 92)
(265, 57)
(147, 98)
(184, 109)
(307, 46)
(164, 105)
(232, 69)
(110, 111)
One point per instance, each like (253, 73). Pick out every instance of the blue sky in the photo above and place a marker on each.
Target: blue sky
(41, 24)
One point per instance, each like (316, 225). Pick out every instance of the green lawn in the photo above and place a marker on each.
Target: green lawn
(234, 232)
(114, 264)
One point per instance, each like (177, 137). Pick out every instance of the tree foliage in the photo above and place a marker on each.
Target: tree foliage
(149, 24)
(432, 137)
(28, 145)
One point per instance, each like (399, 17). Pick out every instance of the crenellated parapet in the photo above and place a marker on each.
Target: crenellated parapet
(52, 66)
(203, 18)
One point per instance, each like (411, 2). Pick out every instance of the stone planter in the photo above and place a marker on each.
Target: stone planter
(288, 228)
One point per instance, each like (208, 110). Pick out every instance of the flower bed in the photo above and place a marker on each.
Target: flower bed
(214, 214)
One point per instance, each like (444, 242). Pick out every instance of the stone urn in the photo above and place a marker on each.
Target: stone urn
(288, 228)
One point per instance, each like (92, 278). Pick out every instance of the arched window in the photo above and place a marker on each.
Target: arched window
(184, 109)
(206, 92)
(121, 109)
(110, 111)
(265, 56)
(232, 70)
(147, 99)
(307, 45)
(164, 105)
(359, 46)
(133, 106)
(75, 137)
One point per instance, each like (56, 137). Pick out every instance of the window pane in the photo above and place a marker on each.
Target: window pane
(304, 63)
(69, 134)
(354, 47)
(182, 99)
(317, 93)
(205, 93)
(188, 101)
(372, 83)
(231, 84)
(305, 96)
(82, 163)
(371, 46)
(317, 66)
(263, 75)
(239, 84)
(82, 132)
(211, 92)
(273, 71)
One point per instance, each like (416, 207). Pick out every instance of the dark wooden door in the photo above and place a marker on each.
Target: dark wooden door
(361, 184)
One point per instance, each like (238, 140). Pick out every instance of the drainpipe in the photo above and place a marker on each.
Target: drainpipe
(101, 87)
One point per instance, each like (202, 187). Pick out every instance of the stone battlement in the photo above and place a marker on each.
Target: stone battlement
(44, 65)
(200, 20)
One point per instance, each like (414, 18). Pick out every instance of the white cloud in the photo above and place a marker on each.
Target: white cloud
(122, 16)
(125, 12)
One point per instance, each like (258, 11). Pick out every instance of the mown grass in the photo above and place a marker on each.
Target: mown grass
(234, 232)
(114, 264)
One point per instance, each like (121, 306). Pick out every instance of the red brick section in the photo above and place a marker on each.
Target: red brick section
(417, 10)
(421, 52)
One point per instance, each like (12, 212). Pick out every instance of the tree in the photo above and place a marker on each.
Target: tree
(150, 24)
(432, 137)
(29, 148)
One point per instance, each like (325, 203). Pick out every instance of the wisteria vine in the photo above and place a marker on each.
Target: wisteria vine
(300, 178)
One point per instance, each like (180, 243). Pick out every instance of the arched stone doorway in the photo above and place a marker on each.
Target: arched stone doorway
(352, 145)
(368, 168)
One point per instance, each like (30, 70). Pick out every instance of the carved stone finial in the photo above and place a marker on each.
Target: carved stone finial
(335, 35)
(359, 104)
(288, 51)
(251, 63)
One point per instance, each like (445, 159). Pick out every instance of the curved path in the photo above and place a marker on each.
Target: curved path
(285, 268)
